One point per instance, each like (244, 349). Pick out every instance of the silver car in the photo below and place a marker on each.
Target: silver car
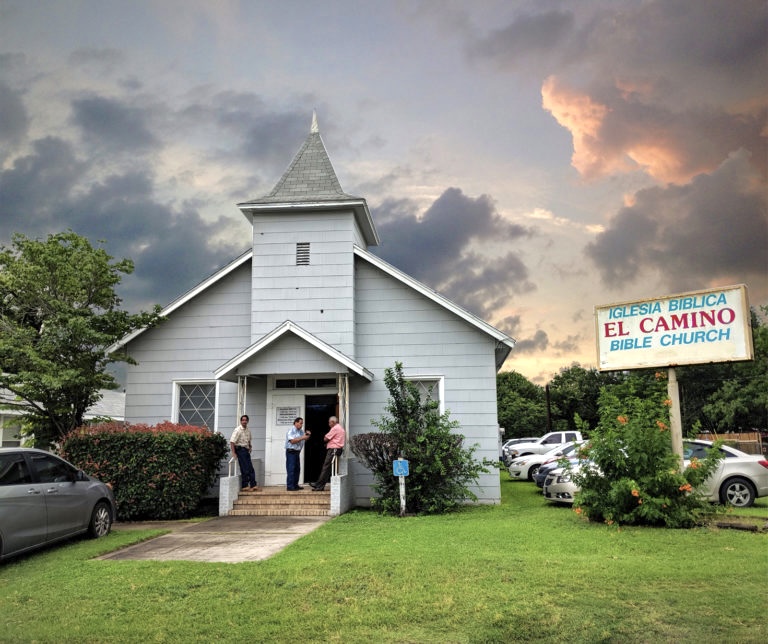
(44, 499)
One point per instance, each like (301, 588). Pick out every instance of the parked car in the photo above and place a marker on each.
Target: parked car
(553, 463)
(44, 499)
(509, 446)
(526, 467)
(559, 487)
(544, 444)
(739, 479)
(546, 468)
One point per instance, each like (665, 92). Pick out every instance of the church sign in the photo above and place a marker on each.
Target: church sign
(691, 328)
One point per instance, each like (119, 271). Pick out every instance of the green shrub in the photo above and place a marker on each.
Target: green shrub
(440, 467)
(156, 472)
(631, 475)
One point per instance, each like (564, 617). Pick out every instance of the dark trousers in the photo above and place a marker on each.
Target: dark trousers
(247, 473)
(325, 473)
(292, 468)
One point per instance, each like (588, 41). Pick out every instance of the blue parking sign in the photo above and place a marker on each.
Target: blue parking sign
(400, 467)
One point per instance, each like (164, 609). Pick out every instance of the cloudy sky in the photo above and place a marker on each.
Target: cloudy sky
(529, 159)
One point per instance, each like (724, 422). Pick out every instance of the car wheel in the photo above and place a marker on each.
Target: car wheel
(738, 492)
(101, 520)
(532, 472)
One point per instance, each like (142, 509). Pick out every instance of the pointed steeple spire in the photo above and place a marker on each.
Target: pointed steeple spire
(310, 184)
(310, 177)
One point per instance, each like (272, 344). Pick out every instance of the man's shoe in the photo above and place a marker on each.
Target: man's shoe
(318, 489)
(300, 487)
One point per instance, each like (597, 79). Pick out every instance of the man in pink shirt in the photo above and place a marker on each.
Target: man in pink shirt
(334, 445)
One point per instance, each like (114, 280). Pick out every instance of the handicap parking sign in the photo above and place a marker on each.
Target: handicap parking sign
(400, 467)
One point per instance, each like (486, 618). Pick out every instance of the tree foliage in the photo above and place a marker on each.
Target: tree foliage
(574, 391)
(521, 405)
(59, 313)
(440, 466)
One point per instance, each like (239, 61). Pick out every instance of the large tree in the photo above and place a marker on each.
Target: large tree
(576, 390)
(522, 408)
(59, 313)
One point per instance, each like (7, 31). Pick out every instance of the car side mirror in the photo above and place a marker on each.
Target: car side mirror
(80, 476)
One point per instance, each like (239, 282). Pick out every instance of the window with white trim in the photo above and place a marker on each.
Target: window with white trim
(197, 404)
(429, 387)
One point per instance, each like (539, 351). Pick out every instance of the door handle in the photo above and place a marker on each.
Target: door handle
(52, 490)
(33, 491)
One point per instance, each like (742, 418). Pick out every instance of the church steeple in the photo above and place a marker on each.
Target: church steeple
(310, 183)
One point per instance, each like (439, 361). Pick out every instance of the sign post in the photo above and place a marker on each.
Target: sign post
(400, 470)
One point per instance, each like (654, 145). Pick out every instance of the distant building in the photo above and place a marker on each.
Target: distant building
(305, 324)
(111, 405)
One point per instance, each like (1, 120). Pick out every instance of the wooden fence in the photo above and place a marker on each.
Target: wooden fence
(749, 442)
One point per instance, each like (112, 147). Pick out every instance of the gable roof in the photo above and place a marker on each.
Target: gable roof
(228, 369)
(504, 343)
(310, 182)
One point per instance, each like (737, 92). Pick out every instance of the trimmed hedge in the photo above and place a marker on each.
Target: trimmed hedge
(156, 471)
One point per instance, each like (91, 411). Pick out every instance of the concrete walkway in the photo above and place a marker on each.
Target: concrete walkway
(222, 539)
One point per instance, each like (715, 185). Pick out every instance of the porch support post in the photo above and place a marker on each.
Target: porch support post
(242, 389)
(343, 385)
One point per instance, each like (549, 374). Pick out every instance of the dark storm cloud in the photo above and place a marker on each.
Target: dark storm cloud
(436, 249)
(45, 193)
(259, 132)
(712, 229)
(109, 123)
(643, 82)
(33, 187)
(14, 121)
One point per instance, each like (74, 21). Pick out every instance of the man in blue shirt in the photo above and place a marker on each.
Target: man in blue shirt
(294, 441)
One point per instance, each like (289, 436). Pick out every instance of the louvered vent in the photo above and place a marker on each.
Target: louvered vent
(302, 254)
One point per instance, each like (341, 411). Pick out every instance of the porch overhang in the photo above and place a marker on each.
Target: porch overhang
(230, 370)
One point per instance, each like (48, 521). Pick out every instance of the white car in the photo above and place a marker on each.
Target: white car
(739, 479)
(506, 449)
(558, 486)
(524, 468)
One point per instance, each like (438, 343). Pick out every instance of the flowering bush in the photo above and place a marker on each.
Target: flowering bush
(632, 476)
(156, 471)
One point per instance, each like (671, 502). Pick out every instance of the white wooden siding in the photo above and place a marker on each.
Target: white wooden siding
(196, 339)
(395, 323)
(318, 297)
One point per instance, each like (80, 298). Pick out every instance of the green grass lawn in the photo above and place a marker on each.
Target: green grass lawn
(522, 571)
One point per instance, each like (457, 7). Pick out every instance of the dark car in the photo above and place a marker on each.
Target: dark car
(44, 499)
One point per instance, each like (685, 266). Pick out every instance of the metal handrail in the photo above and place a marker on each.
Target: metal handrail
(232, 466)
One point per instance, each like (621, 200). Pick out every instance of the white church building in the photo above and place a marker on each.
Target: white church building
(304, 324)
